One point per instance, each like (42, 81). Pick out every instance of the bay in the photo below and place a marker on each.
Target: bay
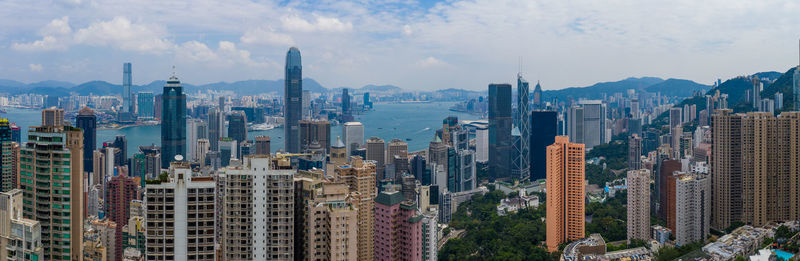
(416, 122)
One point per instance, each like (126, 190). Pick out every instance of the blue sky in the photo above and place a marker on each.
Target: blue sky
(418, 45)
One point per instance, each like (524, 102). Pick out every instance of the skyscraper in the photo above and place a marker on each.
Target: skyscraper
(524, 125)
(537, 96)
(237, 126)
(127, 99)
(262, 145)
(293, 101)
(565, 219)
(54, 196)
(346, 112)
(693, 208)
(353, 133)
(634, 152)
(376, 151)
(544, 128)
(258, 210)
(173, 122)
(398, 230)
(215, 124)
(325, 221)
(8, 158)
(360, 178)
(638, 181)
(52, 117)
(169, 207)
(482, 144)
(500, 131)
(120, 190)
(756, 92)
(726, 173)
(587, 123)
(144, 105)
(315, 131)
(87, 121)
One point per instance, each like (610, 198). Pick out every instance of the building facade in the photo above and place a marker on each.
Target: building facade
(565, 192)
(173, 121)
(638, 221)
(500, 143)
(293, 101)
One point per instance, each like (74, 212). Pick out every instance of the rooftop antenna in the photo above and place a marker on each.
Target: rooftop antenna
(519, 67)
(173, 71)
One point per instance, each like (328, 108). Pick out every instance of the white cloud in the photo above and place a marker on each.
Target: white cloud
(266, 37)
(320, 24)
(35, 67)
(226, 55)
(55, 36)
(407, 30)
(125, 35)
(430, 62)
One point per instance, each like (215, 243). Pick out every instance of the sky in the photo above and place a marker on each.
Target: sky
(416, 45)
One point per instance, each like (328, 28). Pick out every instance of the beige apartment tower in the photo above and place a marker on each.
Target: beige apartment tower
(376, 151)
(755, 167)
(638, 204)
(565, 192)
(360, 177)
(326, 221)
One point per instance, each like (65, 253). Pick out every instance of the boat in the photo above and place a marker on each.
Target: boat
(262, 127)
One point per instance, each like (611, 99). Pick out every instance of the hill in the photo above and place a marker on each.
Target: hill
(677, 87)
(783, 85)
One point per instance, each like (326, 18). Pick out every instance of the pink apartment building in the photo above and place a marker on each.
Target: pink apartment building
(398, 230)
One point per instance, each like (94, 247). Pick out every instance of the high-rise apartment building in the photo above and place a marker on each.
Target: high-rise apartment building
(8, 158)
(565, 219)
(195, 129)
(544, 126)
(755, 179)
(376, 151)
(500, 143)
(262, 145)
(52, 117)
(120, 190)
(756, 93)
(398, 228)
(353, 133)
(173, 122)
(293, 101)
(360, 178)
(145, 105)
(325, 222)
(692, 208)
(181, 216)
(258, 210)
(397, 148)
(634, 152)
(524, 125)
(20, 238)
(638, 181)
(87, 121)
(675, 117)
(796, 88)
(51, 178)
(315, 131)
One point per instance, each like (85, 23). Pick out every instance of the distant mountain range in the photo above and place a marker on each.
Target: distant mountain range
(672, 87)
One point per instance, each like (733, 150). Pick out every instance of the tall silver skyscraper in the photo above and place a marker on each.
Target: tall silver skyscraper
(127, 99)
(524, 125)
(292, 101)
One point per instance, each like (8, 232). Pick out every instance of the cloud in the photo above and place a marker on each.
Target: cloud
(125, 35)
(431, 62)
(35, 67)
(407, 30)
(320, 24)
(118, 33)
(226, 55)
(55, 36)
(266, 37)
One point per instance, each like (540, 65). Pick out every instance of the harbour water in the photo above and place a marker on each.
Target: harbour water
(414, 123)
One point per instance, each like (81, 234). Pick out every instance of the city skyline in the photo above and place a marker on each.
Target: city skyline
(79, 41)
